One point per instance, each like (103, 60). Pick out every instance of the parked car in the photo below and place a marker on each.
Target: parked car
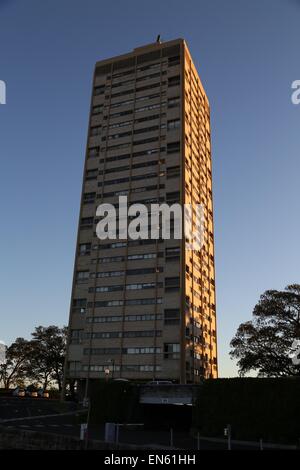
(43, 393)
(19, 392)
(31, 392)
(160, 382)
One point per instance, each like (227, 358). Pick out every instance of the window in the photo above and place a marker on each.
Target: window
(173, 102)
(104, 335)
(121, 113)
(101, 351)
(128, 243)
(93, 152)
(144, 317)
(108, 274)
(151, 200)
(82, 276)
(150, 118)
(141, 368)
(124, 334)
(125, 82)
(149, 368)
(118, 288)
(173, 124)
(173, 81)
(173, 147)
(117, 136)
(145, 285)
(147, 188)
(111, 245)
(136, 142)
(102, 319)
(172, 283)
(149, 350)
(91, 174)
(173, 197)
(134, 155)
(86, 222)
(122, 103)
(120, 303)
(114, 169)
(173, 61)
(120, 93)
(120, 318)
(119, 124)
(173, 172)
(95, 131)
(99, 368)
(172, 316)
(115, 158)
(99, 90)
(116, 147)
(148, 129)
(84, 249)
(171, 350)
(74, 366)
(97, 110)
(133, 167)
(109, 259)
(144, 256)
(149, 67)
(158, 300)
(137, 272)
(133, 178)
(89, 198)
(98, 289)
(150, 107)
(150, 97)
(142, 334)
(127, 102)
(148, 77)
(172, 254)
(122, 74)
(150, 87)
(79, 305)
(76, 336)
(129, 133)
(139, 79)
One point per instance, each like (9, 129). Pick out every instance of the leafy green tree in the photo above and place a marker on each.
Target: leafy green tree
(266, 344)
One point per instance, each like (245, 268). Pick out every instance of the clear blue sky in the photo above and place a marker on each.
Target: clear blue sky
(247, 53)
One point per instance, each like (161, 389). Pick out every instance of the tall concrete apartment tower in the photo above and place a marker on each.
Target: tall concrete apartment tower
(145, 309)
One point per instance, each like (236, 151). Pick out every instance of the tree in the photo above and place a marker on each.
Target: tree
(48, 354)
(266, 344)
(40, 359)
(15, 368)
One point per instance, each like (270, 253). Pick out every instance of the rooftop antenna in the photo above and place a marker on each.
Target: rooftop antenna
(158, 39)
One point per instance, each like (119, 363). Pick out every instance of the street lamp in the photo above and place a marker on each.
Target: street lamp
(109, 369)
(106, 372)
(112, 362)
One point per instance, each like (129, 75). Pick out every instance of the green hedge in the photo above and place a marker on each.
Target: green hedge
(256, 408)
